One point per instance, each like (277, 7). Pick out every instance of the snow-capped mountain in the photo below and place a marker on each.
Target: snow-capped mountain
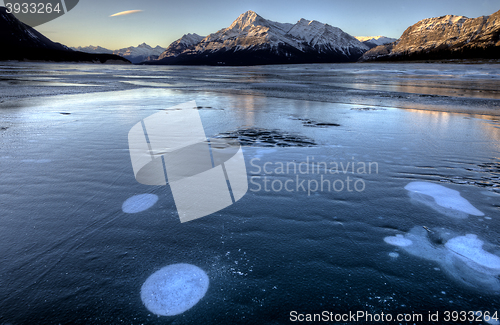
(92, 49)
(252, 39)
(373, 41)
(446, 37)
(21, 42)
(139, 53)
(134, 54)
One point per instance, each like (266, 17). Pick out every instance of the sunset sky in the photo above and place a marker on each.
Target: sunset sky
(160, 22)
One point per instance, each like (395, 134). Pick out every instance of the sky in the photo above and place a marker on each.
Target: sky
(163, 21)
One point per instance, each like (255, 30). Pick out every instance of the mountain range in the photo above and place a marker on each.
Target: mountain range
(135, 54)
(252, 39)
(373, 41)
(21, 42)
(446, 37)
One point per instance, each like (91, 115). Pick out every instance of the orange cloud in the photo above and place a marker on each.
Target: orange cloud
(128, 12)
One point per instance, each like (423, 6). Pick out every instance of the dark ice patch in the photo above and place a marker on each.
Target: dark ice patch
(312, 123)
(256, 137)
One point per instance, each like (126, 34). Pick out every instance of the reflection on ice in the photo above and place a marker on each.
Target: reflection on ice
(138, 203)
(461, 257)
(442, 199)
(174, 289)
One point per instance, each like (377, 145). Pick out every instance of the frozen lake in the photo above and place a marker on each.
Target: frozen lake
(415, 231)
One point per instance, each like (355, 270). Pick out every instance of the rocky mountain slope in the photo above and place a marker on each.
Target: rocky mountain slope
(21, 42)
(252, 39)
(446, 37)
(181, 45)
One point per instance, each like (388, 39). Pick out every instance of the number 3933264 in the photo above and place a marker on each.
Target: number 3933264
(37, 12)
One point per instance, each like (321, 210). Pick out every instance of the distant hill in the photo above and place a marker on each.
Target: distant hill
(135, 54)
(252, 39)
(21, 42)
(92, 49)
(446, 37)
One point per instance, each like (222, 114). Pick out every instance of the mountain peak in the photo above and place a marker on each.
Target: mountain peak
(247, 19)
(249, 14)
(303, 21)
(190, 39)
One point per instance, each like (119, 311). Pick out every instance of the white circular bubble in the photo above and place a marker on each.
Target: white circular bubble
(398, 240)
(174, 289)
(138, 203)
(393, 254)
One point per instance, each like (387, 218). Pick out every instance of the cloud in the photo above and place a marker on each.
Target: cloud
(128, 12)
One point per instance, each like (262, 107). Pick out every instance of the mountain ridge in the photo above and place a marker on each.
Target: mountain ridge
(252, 39)
(444, 37)
(134, 54)
(22, 42)
(374, 41)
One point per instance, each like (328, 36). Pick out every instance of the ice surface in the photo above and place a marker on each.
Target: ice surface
(443, 197)
(138, 203)
(90, 175)
(174, 289)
